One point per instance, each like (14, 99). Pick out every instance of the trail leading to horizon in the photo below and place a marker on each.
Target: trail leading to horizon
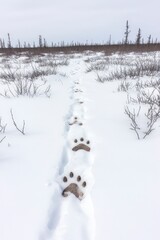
(79, 173)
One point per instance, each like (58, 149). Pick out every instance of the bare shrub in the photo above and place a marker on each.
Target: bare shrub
(151, 101)
(21, 82)
(133, 117)
(99, 66)
(64, 62)
(2, 130)
(139, 68)
(51, 62)
(148, 67)
(38, 72)
(121, 60)
(88, 60)
(8, 73)
(100, 78)
(2, 126)
(124, 86)
(151, 98)
(25, 87)
(152, 115)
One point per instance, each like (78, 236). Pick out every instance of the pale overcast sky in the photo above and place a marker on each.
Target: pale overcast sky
(71, 20)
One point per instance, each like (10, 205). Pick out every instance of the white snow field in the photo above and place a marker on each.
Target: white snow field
(79, 172)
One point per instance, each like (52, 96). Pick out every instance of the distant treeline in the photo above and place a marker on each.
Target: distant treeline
(107, 49)
(125, 44)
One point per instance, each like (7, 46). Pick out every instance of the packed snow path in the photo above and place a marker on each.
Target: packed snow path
(125, 197)
(71, 217)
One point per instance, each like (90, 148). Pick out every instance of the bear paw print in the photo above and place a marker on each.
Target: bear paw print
(79, 100)
(75, 121)
(81, 144)
(76, 186)
(76, 82)
(78, 90)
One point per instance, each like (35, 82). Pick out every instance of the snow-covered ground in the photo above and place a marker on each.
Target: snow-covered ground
(79, 172)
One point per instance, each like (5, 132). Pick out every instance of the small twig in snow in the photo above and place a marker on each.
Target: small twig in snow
(2, 139)
(15, 124)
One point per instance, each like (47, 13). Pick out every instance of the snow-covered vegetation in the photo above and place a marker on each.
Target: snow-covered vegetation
(79, 146)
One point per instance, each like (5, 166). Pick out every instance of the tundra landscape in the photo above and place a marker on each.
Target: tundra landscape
(79, 144)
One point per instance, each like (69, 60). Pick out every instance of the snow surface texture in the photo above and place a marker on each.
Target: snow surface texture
(36, 168)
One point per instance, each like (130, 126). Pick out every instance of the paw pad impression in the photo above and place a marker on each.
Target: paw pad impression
(81, 144)
(76, 186)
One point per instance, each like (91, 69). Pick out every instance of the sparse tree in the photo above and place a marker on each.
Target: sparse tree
(149, 40)
(3, 42)
(40, 41)
(110, 39)
(44, 43)
(34, 45)
(138, 38)
(19, 44)
(9, 41)
(126, 34)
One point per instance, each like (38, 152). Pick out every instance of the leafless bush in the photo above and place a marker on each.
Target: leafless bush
(133, 117)
(8, 73)
(123, 73)
(140, 67)
(151, 101)
(150, 98)
(47, 63)
(2, 126)
(64, 62)
(121, 60)
(131, 100)
(100, 78)
(88, 60)
(151, 117)
(150, 84)
(4, 60)
(21, 82)
(139, 85)
(24, 87)
(38, 72)
(95, 59)
(37, 66)
(2, 130)
(124, 86)
(149, 67)
(98, 66)
(51, 62)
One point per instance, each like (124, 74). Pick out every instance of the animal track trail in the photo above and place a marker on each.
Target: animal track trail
(74, 212)
(77, 179)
